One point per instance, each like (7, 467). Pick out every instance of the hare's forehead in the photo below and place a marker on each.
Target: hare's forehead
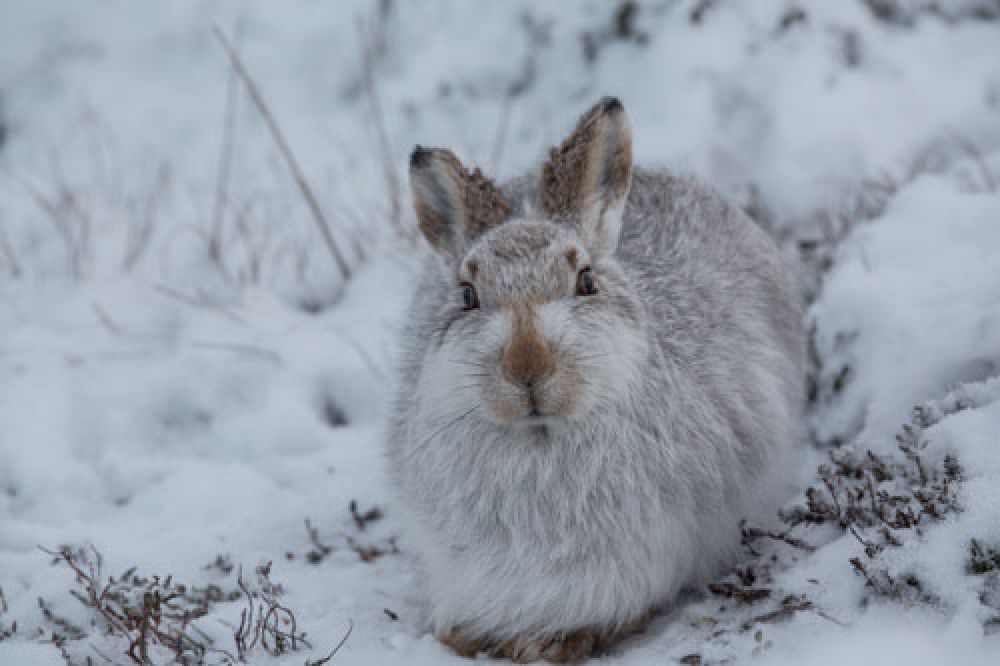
(521, 244)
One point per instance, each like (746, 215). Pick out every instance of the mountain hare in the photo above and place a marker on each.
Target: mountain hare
(601, 375)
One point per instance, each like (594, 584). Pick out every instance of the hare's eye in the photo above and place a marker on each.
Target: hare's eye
(585, 282)
(470, 300)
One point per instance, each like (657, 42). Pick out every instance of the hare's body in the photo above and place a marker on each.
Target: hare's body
(683, 373)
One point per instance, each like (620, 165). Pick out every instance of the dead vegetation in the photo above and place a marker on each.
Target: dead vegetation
(6, 631)
(982, 558)
(149, 615)
(298, 175)
(155, 618)
(237, 229)
(367, 550)
(622, 28)
(882, 501)
(265, 621)
(815, 237)
(371, 43)
(906, 13)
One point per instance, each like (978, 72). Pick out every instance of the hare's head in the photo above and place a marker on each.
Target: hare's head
(541, 325)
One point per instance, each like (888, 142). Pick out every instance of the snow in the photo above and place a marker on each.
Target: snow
(176, 408)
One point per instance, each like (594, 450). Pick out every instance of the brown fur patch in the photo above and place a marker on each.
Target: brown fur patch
(572, 258)
(594, 160)
(562, 647)
(472, 268)
(527, 360)
(569, 647)
(429, 223)
(452, 203)
(461, 644)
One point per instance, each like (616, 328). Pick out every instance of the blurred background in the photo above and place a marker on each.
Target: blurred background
(207, 247)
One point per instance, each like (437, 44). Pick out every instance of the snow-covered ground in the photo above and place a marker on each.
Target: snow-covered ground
(185, 413)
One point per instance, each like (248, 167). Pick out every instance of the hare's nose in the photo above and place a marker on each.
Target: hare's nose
(527, 361)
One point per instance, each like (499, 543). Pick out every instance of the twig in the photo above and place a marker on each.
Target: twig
(261, 352)
(286, 152)
(753, 533)
(366, 358)
(388, 163)
(784, 613)
(270, 617)
(327, 658)
(225, 159)
(198, 302)
(362, 519)
(320, 549)
(970, 149)
(137, 240)
(8, 253)
(105, 319)
(743, 594)
(826, 616)
(55, 214)
(501, 136)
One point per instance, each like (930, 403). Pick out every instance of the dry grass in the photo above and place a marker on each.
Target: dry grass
(291, 161)
(370, 35)
(366, 549)
(146, 614)
(155, 618)
(883, 502)
(265, 621)
(6, 631)
(225, 162)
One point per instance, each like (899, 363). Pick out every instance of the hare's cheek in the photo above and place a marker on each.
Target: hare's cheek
(458, 373)
(616, 356)
(600, 353)
(556, 324)
(450, 377)
(503, 403)
(565, 393)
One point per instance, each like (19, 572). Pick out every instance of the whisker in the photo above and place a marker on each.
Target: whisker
(475, 364)
(589, 357)
(454, 421)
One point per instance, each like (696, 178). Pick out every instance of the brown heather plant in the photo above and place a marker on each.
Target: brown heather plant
(152, 616)
(882, 501)
(5, 630)
(366, 550)
(146, 613)
(265, 621)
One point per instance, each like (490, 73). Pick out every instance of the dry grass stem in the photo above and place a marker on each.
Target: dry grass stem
(225, 161)
(501, 136)
(375, 107)
(279, 138)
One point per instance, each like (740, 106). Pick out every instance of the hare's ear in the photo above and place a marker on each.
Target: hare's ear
(586, 180)
(453, 206)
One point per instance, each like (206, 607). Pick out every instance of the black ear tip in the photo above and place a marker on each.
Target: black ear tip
(420, 157)
(611, 105)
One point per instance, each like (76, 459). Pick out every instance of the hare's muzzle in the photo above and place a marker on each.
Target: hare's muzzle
(528, 367)
(527, 359)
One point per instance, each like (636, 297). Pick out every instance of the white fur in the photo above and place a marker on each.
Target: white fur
(689, 384)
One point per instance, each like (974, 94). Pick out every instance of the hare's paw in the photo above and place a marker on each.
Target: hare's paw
(462, 644)
(561, 648)
(564, 647)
